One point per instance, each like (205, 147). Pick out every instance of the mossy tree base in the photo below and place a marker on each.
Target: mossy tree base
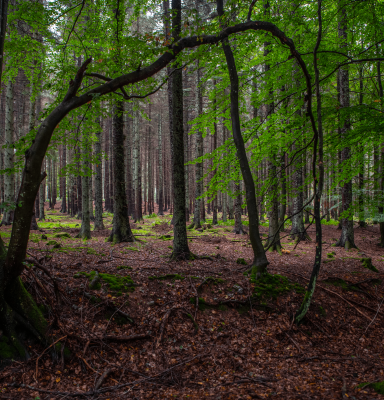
(274, 246)
(258, 271)
(182, 256)
(17, 308)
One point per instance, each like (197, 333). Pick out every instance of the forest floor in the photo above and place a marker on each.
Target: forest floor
(138, 334)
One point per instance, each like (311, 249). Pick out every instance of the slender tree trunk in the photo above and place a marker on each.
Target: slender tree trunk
(121, 231)
(260, 262)
(347, 234)
(273, 242)
(9, 178)
(85, 229)
(160, 153)
(198, 154)
(98, 225)
(180, 241)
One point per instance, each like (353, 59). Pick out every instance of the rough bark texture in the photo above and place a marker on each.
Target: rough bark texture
(161, 178)
(121, 231)
(273, 242)
(180, 241)
(298, 229)
(98, 184)
(238, 211)
(9, 178)
(85, 229)
(347, 234)
(198, 154)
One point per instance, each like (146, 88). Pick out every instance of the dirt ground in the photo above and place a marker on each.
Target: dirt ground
(151, 342)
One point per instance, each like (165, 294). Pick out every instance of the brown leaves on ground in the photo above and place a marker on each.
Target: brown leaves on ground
(237, 351)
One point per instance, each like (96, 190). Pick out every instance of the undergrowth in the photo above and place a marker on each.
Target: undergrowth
(272, 286)
(116, 284)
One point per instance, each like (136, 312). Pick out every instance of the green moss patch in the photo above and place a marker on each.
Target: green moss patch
(270, 286)
(62, 235)
(378, 387)
(241, 261)
(338, 282)
(174, 277)
(123, 267)
(116, 284)
(7, 351)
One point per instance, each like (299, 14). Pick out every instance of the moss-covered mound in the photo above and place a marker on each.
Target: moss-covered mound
(272, 286)
(174, 277)
(63, 235)
(378, 387)
(116, 284)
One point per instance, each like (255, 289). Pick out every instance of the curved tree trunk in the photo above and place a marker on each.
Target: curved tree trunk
(260, 262)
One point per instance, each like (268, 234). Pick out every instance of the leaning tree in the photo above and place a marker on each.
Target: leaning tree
(17, 304)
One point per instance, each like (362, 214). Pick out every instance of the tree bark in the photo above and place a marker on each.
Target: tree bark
(98, 224)
(347, 234)
(260, 262)
(121, 231)
(9, 177)
(180, 241)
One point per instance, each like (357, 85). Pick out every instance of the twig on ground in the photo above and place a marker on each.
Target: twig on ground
(38, 358)
(102, 378)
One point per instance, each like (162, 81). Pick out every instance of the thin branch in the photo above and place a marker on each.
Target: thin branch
(250, 10)
(74, 23)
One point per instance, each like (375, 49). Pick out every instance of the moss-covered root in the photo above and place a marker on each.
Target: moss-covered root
(117, 238)
(185, 256)
(22, 302)
(11, 347)
(273, 247)
(367, 263)
(257, 271)
(191, 226)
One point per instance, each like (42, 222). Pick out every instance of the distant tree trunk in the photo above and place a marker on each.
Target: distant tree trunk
(98, 225)
(121, 231)
(230, 202)
(106, 170)
(79, 197)
(362, 222)
(54, 183)
(298, 230)
(214, 147)
(160, 153)
(128, 165)
(283, 202)
(137, 161)
(198, 154)
(273, 242)
(9, 178)
(64, 180)
(381, 208)
(3, 30)
(85, 230)
(238, 203)
(42, 196)
(347, 234)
